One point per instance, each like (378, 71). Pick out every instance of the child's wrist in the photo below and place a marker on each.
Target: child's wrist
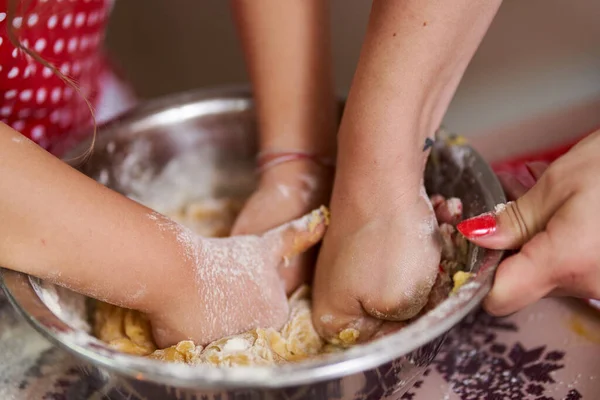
(268, 159)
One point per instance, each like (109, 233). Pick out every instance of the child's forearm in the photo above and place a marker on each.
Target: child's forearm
(287, 49)
(413, 57)
(59, 225)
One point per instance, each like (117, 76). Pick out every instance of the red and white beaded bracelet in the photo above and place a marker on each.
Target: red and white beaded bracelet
(269, 159)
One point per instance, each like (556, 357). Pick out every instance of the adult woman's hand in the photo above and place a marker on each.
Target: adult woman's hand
(553, 225)
(380, 256)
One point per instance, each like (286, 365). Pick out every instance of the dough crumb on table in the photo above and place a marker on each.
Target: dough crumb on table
(130, 332)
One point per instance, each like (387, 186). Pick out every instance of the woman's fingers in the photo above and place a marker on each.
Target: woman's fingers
(293, 238)
(511, 226)
(532, 273)
(523, 278)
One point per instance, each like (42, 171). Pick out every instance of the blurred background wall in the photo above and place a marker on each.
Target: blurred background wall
(540, 58)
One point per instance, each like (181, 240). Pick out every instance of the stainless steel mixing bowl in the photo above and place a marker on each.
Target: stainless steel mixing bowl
(214, 133)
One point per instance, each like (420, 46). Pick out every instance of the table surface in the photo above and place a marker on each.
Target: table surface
(549, 351)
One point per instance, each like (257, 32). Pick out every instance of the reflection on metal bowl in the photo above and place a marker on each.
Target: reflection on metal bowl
(210, 137)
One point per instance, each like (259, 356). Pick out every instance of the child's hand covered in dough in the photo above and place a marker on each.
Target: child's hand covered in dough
(233, 284)
(287, 191)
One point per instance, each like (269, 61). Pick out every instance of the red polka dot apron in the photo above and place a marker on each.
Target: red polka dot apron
(68, 34)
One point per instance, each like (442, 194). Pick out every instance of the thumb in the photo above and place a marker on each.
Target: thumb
(295, 237)
(513, 224)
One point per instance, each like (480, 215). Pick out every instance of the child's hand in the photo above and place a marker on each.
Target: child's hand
(287, 191)
(554, 225)
(233, 285)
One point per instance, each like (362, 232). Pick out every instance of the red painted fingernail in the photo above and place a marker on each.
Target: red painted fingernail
(477, 227)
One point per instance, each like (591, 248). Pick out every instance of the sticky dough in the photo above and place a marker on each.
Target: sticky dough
(129, 331)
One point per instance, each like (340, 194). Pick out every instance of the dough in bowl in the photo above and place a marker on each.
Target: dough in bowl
(129, 331)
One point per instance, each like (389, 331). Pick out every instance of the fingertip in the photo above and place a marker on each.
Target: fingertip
(343, 326)
(501, 229)
(519, 282)
(310, 229)
(482, 230)
(478, 227)
(299, 235)
(348, 331)
(493, 307)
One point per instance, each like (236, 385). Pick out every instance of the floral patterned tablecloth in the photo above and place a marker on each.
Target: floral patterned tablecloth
(550, 351)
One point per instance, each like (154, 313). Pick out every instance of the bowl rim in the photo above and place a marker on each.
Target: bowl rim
(361, 358)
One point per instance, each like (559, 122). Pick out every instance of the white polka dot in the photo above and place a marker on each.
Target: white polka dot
(67, 21)
(32, 19)
(40, 45)
(55, 95)
(6, 111)
(29, 70)
(72, 46)
(1, 40)
(52, 21)
(10, 94)
(25, 43)
(17, 22)
(2, 16)
(24, 113)
(84, 43)
(96, 39)
(68, 93)
(93, 18)
(18, 125)
(47, 72)
(65, 68)
(76, 67)
(14, 71)
(55, 117)
(26, 95)
(41, 95)
(59, 45)
(79, 19)
(37, 132)
(15, 53)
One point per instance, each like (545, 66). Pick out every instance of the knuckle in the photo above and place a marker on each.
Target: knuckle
(554, 180)
(493, 307)
(570, 260)
(397, 303)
